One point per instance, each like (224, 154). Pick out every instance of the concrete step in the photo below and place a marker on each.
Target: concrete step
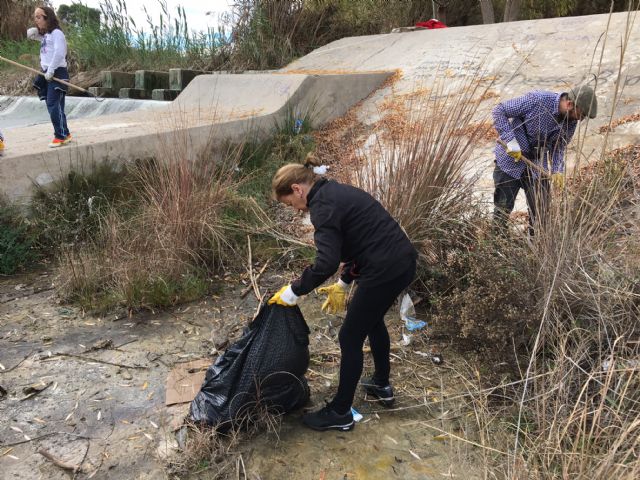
(179, 78)
(164, 94)
(104, 92)
(134, 93)
(150, 80)
(117, 80)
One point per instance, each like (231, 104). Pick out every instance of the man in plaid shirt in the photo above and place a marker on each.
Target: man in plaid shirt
(537, 126)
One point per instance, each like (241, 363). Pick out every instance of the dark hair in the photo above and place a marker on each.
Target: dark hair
(50, 17)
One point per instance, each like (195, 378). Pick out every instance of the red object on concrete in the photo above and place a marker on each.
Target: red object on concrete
(430, 24)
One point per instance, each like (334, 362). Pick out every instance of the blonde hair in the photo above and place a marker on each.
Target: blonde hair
(293, 173)
(288, 175)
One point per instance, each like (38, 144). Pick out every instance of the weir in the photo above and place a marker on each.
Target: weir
(549, 54)
(25, 111)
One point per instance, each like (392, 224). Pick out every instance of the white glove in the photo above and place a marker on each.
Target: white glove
(33, 34)
(48, 76)
(284, 297)
(513, 150)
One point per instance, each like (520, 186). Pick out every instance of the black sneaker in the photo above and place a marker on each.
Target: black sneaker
(384, 394)
(327, 419)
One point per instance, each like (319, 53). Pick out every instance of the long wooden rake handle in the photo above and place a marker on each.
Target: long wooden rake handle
(63, 82)
(527, 162)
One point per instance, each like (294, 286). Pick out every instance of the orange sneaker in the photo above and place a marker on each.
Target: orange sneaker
(67, 139)
(57, 142)
(1, 147)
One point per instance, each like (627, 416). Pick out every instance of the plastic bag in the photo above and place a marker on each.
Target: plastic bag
(408, 315)
(265, 367)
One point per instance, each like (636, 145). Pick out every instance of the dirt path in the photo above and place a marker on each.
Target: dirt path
(102, 382)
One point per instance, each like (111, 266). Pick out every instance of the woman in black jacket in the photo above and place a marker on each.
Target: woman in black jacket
(350, 227)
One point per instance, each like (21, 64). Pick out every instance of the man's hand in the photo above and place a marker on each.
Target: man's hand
(284, 297)
(336, 297)
(513, 150)
(557, 180)
(48, 76)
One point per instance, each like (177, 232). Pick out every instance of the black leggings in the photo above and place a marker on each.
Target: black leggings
(365, 318)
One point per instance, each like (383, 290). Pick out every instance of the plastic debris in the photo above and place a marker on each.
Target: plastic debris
(408, 315)
(320, 170)
(357, 416)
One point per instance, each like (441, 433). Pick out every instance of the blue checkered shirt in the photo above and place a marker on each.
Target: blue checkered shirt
(533, 120)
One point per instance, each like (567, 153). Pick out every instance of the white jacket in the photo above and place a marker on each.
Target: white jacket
(53, 49)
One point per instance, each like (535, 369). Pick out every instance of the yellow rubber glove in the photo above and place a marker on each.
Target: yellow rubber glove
(513, 150)
(336, 297)
(557, 179)
(284, 297)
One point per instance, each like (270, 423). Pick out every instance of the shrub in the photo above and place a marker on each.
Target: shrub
(69, 211)
(488, 299)
(17, 241)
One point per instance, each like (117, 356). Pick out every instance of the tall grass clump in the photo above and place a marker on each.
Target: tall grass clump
(18, 243)
(415, 166)
(162, 253)
(15, 17)
(571, 405)
(581, 390)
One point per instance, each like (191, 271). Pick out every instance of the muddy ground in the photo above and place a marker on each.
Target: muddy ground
(91, 392)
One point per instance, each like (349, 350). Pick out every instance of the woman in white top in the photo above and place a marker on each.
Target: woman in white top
(53, 60)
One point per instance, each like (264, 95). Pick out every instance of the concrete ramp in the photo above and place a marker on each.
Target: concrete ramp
(517, 57)
(213, 107)
(26, 111)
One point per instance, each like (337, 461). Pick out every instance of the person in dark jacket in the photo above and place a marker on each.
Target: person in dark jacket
(353, 228)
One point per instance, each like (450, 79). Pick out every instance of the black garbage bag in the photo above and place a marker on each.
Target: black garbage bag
(265, 368)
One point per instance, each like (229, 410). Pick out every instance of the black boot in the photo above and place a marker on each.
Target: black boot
(327, 419)
(384, 393)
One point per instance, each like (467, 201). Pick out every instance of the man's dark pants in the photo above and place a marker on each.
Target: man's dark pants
(536, 190)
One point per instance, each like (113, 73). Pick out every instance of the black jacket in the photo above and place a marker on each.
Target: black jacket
(352, 227)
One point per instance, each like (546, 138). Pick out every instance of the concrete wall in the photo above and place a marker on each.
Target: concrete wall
(212, 108)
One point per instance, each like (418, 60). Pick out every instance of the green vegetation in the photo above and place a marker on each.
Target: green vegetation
(69, 212)
(560, 310)
(149, 234)
(18, 248)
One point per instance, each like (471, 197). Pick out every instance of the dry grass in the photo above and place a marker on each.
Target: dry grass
(16, 18)
(619, 121)
(414, 163)
(217, 451)
(573, 408)
(154, 256)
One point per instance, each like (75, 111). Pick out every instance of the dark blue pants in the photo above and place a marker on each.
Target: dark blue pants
(536, 190)
(54, 93)
(365, 318)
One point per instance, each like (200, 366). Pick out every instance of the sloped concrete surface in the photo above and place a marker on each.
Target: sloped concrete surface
(212, 107)
(518, 57)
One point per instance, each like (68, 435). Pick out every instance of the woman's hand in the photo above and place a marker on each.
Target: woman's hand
(33, 34)
(284, 297)
(336, 297)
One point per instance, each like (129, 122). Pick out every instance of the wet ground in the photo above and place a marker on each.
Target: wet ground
(90, 391)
